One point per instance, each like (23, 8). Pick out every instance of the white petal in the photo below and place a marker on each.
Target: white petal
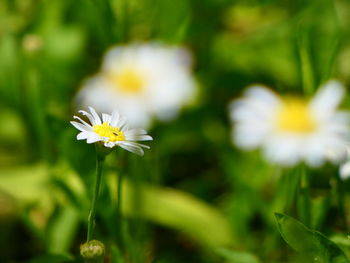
(138, 138)
(80, 126)
(137, 144)
(93, 137)
(83, 135)
(254, 109)
(95, 116)
(344, 170)
(336, 155)
(314, 151)
(327, 99)
(121, 122)
(263, 94)
(82, 121)
(339, 123)
(248, 137)
(284, 150)
(137, 131)
(132, 148)
(115, 118)
(89, 116)
(105, 139)
(110, 144)
(106, 118)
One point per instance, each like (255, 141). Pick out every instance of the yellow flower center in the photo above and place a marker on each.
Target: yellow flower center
(295, 116)
(128, 80)
(113, 133)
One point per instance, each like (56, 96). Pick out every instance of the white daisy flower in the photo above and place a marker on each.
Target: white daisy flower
(141, 82)
(111, 131)
(291, 130)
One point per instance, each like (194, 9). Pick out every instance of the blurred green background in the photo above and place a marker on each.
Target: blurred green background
(194, 197)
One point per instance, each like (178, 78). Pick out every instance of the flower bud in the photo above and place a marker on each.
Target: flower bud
(92, 251)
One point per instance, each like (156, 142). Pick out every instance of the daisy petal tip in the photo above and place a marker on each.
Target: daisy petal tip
(148, 138)
(79, 137)
(344, 170)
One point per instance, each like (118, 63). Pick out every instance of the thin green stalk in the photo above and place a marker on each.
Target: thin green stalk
(307, 73)
(135, 238)
(304, 202)
(119, 208)
(335, 45)
(38, 116)
(125, 21)
(91, 220)
(288, 188)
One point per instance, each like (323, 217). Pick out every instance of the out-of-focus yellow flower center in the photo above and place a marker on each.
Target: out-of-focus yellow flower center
(128, 80)
(113, 133)
(295, 116)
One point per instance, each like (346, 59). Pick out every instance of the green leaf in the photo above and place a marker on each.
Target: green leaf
(62, 230)
(26, 183)
(311, 243)
(177, 210)
(236, 256)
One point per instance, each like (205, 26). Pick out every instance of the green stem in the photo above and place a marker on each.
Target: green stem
(334, 46)
(304, 202)
(91, 219)
(289, 187)
(307, 73)
(119, 208)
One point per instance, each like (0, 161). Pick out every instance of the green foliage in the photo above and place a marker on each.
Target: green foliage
(193, 197)
(314, 245)
(180, 211)
(232, 256)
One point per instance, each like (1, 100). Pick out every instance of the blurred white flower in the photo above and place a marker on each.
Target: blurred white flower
(111, 131)
(141, 82)
(291, 130)
(344, 169)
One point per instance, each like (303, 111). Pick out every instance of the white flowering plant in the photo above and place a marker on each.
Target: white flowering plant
(191, 131)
